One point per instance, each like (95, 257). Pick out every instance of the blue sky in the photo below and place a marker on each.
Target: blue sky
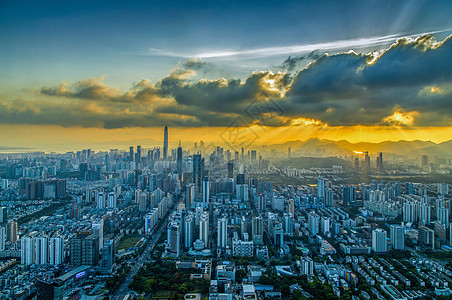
(47, 41)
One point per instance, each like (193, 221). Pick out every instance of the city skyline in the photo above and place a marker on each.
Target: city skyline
(74, 77)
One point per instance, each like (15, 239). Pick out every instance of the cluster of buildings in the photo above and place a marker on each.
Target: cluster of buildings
(64, 216)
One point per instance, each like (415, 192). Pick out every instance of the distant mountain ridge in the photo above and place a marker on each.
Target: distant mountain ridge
(325, 147)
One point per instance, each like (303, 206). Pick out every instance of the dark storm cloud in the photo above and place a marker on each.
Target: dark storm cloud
(409, 84)
(351, 89)
(293, 61)
(194, 64)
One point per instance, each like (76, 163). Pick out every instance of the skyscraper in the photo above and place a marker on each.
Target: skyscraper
(204, 229)
(138, 155)
(131, 154)
(188, 231)
(189, 195)
(179, 161)
(367, 161)
(379, 240)
(198, 170)
(313, 224)
(329, 197)
(165, 142)
(320, 188)
(205, 190)
(349, 194)
(174, 238)
(222, 233)
(230, 169)
(257, 230)
(397, 235)
(380, 161)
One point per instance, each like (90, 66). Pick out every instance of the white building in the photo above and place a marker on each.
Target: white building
(204, 228)
(100, 201)
(27, 250)
(56, 251)
(222, 236)
(111, 203)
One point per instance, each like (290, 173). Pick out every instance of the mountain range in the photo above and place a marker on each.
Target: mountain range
(316, 147)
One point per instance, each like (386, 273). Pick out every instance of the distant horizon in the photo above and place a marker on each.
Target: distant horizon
(189, 145)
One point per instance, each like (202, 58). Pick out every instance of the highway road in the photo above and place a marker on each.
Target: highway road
(123, 289)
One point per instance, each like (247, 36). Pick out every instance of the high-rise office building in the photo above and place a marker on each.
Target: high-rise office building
(379, 243)
(189, 195)
(165, 142)
(257, 230)
(397, 235)
(367, 162)
(179, 162)
(329, 197)
(349, 195)
(189, 228)
(242, 192)
(174, 237)
(253, 155)
(380, 162)
(230, 169)
(205, 190)
(222, 236)
(240, 179)
(131, 156)
(198, 171)
(138, 155)
(321, 188)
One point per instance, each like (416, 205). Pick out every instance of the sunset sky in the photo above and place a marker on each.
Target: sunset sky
(82, 74)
